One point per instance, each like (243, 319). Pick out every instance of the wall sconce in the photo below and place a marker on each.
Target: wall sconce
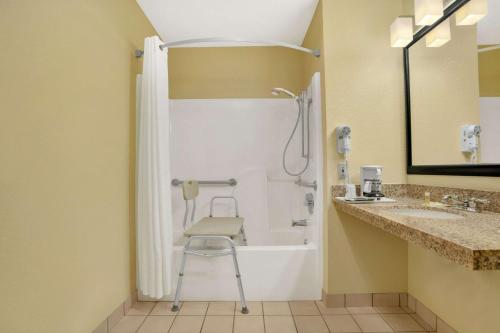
(401, 31)
(427, 12)
(472, 12)
(439, 36)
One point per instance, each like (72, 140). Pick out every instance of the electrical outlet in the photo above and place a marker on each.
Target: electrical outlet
(342, 170)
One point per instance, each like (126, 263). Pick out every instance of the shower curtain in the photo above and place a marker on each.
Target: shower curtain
(154, 211)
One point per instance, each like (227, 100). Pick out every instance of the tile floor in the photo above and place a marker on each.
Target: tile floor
(264, 317)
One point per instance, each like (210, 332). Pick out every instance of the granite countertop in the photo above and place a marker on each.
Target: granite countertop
(472, 240)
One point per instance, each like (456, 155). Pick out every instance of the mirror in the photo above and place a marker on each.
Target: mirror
(453, 96)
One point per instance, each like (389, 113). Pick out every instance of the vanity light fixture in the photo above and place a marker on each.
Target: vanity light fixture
(402, 31)
(427, 12)
(472, 12)
(439, 36)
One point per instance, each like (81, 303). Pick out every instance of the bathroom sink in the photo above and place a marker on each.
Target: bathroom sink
(425, 213)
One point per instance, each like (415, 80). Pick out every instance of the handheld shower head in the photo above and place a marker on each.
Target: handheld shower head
(277, 91)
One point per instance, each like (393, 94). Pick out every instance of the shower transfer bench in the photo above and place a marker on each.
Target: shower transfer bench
(224, 229)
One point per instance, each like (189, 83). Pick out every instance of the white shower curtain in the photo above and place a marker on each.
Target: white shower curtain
(154, 211)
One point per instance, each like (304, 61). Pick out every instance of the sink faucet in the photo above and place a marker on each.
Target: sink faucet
(471, 205)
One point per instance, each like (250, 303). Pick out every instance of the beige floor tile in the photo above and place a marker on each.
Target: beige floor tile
(248, 324)
(187, 324)
(218, 324)
(402, 322)
(310, 324)
(156, 324)
(193, 309)
(372, 323)
(220, 309)
(341, 323)
(330, 311)
(140, 308)
(128, 324)
(389, 309)
(279, 324)
(361, 310)
(276, 309)
(304, 308)
(163, 309)
(254, 309)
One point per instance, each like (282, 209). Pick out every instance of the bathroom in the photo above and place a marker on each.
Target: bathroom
(256, 92)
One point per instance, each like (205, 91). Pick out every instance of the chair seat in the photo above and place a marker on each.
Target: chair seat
(216, 226)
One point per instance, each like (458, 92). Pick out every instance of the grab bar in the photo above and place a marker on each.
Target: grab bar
(313, 185)
(229, 182)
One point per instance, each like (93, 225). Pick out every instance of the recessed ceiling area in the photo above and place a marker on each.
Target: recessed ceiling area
(269, 20)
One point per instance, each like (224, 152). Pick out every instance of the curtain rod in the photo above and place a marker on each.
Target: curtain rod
(314, 52)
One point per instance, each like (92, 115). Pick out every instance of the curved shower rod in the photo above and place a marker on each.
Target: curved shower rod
(314, 52)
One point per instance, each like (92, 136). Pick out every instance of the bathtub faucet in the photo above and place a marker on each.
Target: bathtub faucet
(299, 223)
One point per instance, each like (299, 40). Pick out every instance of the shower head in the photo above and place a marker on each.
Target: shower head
(277, 91)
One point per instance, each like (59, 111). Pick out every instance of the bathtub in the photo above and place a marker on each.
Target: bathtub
(215, 139)
(284, 271)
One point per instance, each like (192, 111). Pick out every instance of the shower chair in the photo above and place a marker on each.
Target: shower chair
(224, 229)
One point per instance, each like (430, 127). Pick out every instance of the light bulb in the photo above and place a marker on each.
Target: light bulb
(472, 12)
(439, 36)
(401, 32)
(427, 12)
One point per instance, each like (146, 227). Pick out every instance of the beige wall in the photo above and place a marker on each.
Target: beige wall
(489, 73)
(363, 84)
(468, 300)
(233, 72)
(444, 96)
(66, 197)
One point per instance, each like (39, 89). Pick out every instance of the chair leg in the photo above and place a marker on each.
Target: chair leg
(244, 308)
(175, 306)
(244, 236)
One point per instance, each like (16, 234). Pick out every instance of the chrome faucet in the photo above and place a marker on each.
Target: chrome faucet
(471, 205)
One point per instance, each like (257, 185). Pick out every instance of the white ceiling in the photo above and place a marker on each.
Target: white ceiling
(488, 29)
(270, 20)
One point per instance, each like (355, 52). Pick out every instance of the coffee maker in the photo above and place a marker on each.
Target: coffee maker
(371, 181)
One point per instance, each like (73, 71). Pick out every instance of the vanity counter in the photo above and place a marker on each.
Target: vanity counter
(471, 239)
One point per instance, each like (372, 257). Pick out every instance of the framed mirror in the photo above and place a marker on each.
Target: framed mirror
(452, 95)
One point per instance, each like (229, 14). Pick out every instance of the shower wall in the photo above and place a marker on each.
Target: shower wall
(216, 139)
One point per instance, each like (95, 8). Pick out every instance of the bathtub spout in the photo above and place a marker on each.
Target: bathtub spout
(299, 223)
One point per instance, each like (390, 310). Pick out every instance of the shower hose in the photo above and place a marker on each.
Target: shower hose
(300, 103)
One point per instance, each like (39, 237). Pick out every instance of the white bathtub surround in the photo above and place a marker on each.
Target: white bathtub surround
(217, 139)
(154, 211)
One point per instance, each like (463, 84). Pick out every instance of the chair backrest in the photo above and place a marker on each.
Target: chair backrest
(190, 189)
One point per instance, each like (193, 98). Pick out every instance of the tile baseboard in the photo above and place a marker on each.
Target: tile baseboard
(421, 313)
(116, 315)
